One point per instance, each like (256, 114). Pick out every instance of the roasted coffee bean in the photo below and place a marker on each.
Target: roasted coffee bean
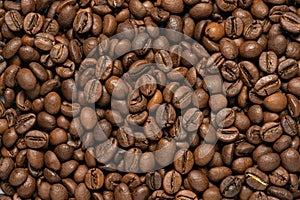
(33, 23)
(275, 102)
(248, 73)
(25, 122)
(233, 27)
(14, 20)
(94, 179)
(36, 139)
(198, 180)
(154, 180)
(288, 69)
(227, 5)
(256, 179)
(290, 22)
(252, 30)
(83, 22)
(268, 62)
(183, 161)
(172, 182)
(268, 162)
(231, 186)
(279, 177)
(185, 194)
(289, 160)
(267, 85)
(280, 192)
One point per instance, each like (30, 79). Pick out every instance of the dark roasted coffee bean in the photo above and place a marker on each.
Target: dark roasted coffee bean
(231, 186)
(256, 179)
(280, 193)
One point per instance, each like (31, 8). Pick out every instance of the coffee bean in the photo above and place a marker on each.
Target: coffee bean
(83, 22)
(233, 27)
(14, 20)
(280, 192)
(250, 49)
(33, 23)
(198, 180)
(183, 161)
(172, 182)
(279, 177)
(94, 179)
(275, 102)
(36, 139)
(231, 186)
(256, 179)
(290, 21)
(268, 62)
(289, 160)
(227, 6)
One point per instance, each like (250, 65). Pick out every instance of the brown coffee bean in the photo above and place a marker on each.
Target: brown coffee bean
(94, 179)
(27, 189)
(198, 180)
(290, 22)
(290, 160)
(250, 49)
(172, 182)
(256, 179)
(235, 185)
(275, 102)
(36, 139)
(279, 177)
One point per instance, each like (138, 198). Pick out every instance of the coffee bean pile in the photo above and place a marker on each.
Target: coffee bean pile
(149, 99)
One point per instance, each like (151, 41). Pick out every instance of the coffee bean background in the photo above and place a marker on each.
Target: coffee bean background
(211, 113)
